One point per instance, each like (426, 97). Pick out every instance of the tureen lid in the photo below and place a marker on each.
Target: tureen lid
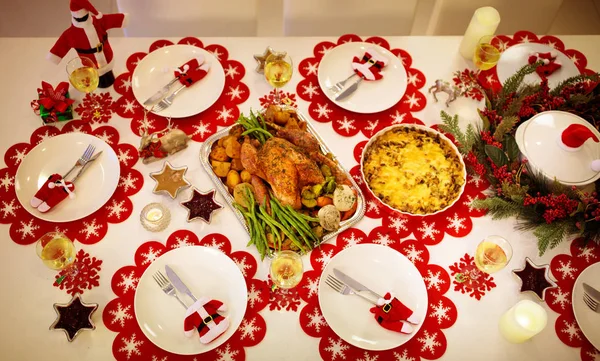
(562, 146)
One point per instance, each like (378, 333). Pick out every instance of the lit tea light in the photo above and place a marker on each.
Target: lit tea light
(155, 217)
(523, 321)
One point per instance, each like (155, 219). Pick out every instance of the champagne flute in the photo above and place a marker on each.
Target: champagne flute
(286, 269)
(57, 252)
(278, 71)
(83, 74)
(492, 255)
(486, 55)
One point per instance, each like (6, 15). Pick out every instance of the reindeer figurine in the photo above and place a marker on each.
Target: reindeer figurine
(152, 147)
(443, 86)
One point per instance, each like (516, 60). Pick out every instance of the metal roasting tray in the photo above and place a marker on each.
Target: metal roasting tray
(204, 160)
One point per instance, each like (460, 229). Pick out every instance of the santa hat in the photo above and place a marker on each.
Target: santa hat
(80, 8)
(574, 136)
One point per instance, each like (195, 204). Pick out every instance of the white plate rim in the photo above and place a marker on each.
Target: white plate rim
(577, 284)
(232, 326)
(44, 216)
(215, 66)
(403, 84)
(378, 246)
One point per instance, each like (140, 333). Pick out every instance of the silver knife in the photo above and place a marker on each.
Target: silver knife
(357, 286)
(594, 293)
(85, 165)
(349, 90)
(160, 94)
(178, 283)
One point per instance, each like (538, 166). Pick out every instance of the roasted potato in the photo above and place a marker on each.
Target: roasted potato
(221, 168)
(236, 164)
(239, 193)
(246, 176)
(233, 178)
(236, 131)
(233, 148)
(228, 140)
(222, 140)
(219, 153)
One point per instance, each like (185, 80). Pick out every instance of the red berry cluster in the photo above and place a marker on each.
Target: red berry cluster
(592, 206)
(492, 116)
(472, 162)
(486, 136)
(557, 206)
(540, 101)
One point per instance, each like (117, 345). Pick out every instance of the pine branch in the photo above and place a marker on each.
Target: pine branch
(499, 208)
(551, 235)
(465, 140)
(513, 83)
(505, 126)
(574, 80)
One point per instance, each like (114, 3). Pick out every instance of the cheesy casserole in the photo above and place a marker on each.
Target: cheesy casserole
(413, 170)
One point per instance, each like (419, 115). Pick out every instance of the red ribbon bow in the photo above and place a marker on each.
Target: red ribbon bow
(153, 150)
(54, 98)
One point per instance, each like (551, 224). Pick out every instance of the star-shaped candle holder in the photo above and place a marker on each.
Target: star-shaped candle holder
(535, 279)
(201, 205)
(261, 60)
(74, 317)
(170, 180)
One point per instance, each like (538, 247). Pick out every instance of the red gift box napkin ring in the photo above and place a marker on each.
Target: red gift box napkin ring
(393, 315)
(204, 316)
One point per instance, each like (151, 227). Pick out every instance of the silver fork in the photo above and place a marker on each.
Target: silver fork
(343, 288)
(339, 86)
(590, 302)
(167, 287)
(85, 157)
(168, 101)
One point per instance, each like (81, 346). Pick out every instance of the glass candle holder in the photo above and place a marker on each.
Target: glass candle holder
(155, 217)
(523, 321)
(484, 22)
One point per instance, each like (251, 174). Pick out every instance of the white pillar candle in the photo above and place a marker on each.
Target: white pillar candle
(523, 321)
(484, 22)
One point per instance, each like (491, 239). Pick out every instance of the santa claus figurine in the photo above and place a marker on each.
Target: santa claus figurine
(88, 36)
(204, 316)
(369, 66)
(391, 314)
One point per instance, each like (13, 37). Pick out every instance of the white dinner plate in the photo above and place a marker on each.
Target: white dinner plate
(371, 96)
(57, 155)
(156, 69)
(588, 320)
(382, 269)
(515, 57)
(207, 272)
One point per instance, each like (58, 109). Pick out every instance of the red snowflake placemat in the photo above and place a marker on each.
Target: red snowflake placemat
(85, 276)
(566, 268)
(476, 283)
(347, 123)
(429, 342)
(455, 221)
(118, 316)
(96, 108)
(489, 78)
(26, 229)
(224, 112)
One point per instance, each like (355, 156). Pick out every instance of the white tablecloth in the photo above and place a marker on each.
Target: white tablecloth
(27, 292)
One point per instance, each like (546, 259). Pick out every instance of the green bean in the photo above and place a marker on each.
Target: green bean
(260, 130)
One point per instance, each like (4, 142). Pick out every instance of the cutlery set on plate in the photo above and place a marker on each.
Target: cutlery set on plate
(591, 297)
(203, 315)
(187, 74)
(388, 311)
(57, 187)
(368, 67)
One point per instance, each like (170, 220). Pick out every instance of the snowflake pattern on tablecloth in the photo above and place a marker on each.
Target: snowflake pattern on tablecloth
(130, 344)
(566, 268)
(27, 229)
(347, 123)
(489, 78)
(96, 108)
(282, 299)
(476, 283)
(455, 221)
(81, 275)
(429, 342)
(224, 112)
(285, 98)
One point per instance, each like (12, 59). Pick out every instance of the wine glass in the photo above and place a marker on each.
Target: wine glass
(492, 255)
(83, 74)
(486, 55)
(278, 71)
(57, 252)
(286, 269)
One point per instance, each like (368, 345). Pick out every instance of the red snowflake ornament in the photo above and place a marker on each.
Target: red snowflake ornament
(283, 299)
(96, 108)
(81, 275)
(469, 279)
(285, 98)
